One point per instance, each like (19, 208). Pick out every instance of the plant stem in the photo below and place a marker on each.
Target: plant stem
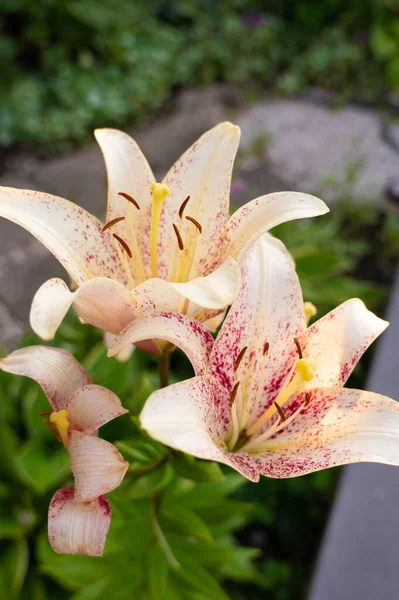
(163, 369)
(174, 563)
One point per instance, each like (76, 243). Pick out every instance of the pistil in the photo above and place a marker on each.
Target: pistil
(60, 420)
(159, 192)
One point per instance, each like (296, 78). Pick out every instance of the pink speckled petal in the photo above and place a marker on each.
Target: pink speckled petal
(96, 464)
(268, 309)
(186, 417)
(124, 354)
(72, 234)
(56, 371)
(217, 290)
(340, 426)
(101, 302)
(263, 213)
(78, 528)
(337, 341)
(91, 406)
(129, 172)
(181, 331)
(204, 174)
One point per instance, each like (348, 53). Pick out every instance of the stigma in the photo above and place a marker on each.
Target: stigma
(60, 419)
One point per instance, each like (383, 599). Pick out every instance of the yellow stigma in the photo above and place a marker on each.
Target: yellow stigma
(310, 311)
(159, 192)
(306, 369)
(60, 419)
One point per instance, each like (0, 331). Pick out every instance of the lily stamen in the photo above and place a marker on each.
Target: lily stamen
(179, 237)
(240, 357)
(195, 222)
(234, 392)
(123, 244)
(298, 347)
(111, 223)
(307, 399)
(129, 199)
(266, 349)
(280, 411)
(53, 429)
(183, 206)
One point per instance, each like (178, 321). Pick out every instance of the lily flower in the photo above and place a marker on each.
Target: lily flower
(167, 246)
(79, 516)
(268, 396)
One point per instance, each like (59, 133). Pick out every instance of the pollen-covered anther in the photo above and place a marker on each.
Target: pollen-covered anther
(280, 411)
(307, 399)
(111, 223)
(298, 347)
(306, 369)
(266, 349)
(183, 206)
(123, 244)
(195, 222)
(179, 237)
(234, 392)
(240, 357)
(130, 199)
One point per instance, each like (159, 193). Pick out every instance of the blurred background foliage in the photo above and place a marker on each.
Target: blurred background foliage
(232, 539)
(68, 67)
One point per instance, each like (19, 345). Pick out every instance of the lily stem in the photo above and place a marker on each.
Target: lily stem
(162, 541)
(163, 369)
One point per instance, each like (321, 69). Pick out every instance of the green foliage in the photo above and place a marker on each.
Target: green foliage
(68, 67)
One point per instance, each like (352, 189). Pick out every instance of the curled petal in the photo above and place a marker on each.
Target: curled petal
(217, 290)
(340, 426)
(56, 370)
(260, 215)
(181, 331)
(92, 406)
(124, 354)
(72, 234)
(96, 464)
(203, 172)
(337, 341)
(268, 310)
(101, 302)
(128, 172)
(78, 528)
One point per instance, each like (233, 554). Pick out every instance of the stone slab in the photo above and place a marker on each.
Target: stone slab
(359, 555)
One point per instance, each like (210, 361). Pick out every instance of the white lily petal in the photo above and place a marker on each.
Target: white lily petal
(337, 341)
(91, 406)
(72, 234)
(268, 309)
(204, 174)
(187, 416)
(55, 370)
(263, 213)
(128, 172)
(96, 464)
(124, 354)
(340, 426)
(217, 290)
(181, 331)
(101, 302)
(78, 528)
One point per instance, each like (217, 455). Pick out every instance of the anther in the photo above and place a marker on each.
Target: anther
(179, 237)
(234, 392)
(240, 357)
(129, 199)
(111, 223)
(123, 244)
(45, 413)
(198, 225)
(298, 347)
(53, 429)
(310, 311)
(307, 399)
(266, 348)
(280, 411)
(183, 206)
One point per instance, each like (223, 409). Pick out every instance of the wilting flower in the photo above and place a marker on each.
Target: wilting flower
(268, 398)
(79, 516)
(166, 246)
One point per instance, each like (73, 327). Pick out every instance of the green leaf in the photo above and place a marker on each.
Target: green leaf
(189, 467)
(193, 573)
(14, 561)
(40, 468)
(206, 494)
(180, 519)
(9, 443)
(91, 592)
(151, 482)
(158, 572)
